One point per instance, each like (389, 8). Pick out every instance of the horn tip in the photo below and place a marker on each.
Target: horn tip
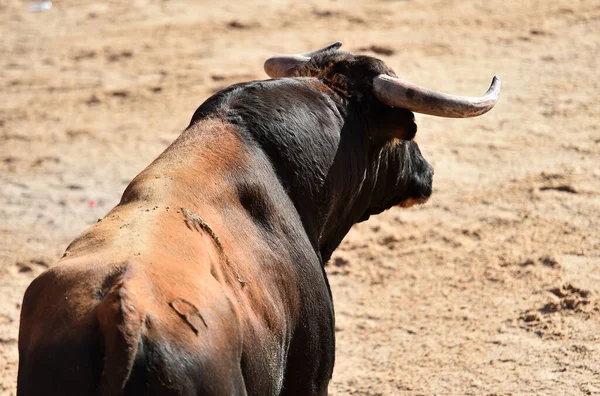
(335, 45)
(495, 86)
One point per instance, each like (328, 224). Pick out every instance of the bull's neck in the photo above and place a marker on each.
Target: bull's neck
(320, 164)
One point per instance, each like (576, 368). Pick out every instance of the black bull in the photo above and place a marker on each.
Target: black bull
(208, 277)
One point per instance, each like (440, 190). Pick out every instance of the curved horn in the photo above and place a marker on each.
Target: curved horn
(286, 65)
(399, 93)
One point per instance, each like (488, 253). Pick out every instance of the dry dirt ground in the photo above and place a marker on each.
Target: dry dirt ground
(493, 287)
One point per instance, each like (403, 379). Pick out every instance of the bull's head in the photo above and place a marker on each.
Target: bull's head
(376, 110)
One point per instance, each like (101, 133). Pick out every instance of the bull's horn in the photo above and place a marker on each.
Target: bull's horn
(286, 65)
(399, 93)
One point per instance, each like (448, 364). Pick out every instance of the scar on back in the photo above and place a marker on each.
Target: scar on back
(194, 222)
(189, 313)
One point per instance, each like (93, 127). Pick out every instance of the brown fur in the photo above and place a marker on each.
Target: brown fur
(159, 259)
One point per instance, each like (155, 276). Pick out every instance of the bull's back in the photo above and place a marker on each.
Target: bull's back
(145, 302)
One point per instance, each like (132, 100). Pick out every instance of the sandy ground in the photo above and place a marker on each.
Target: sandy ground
(493, 287)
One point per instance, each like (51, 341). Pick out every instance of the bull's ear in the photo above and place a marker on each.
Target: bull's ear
(393, 122)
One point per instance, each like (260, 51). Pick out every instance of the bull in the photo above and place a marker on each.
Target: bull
(208, 277)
